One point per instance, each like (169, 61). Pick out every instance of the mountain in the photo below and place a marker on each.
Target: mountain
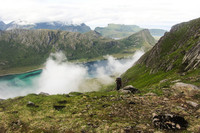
(117, 31)
(2, 25)
(175, 57)
(141, 39)
(21, 48)
(54, 25)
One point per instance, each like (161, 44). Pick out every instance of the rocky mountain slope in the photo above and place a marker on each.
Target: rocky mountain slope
(54, 25)
(32, 47)
(175, 57)
(120, 31)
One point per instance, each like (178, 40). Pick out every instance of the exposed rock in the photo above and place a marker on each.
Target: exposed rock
(164, 80)
(125, 91)
(129, 89)
(141, 126)
(169, 122)
(44, 94)
(175, 81)
(150, 94)
(181, 108)
(193, 104)
(198, 111)
(166, 99)
(187, 89)
(31, 104)
(14, 123)
(192, 58)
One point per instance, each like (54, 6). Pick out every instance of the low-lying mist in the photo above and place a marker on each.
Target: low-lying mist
(60, 76)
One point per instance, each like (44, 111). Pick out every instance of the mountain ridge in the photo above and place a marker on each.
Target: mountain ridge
(22, 47)
(54, 25)
(174, 57)
(122, 30)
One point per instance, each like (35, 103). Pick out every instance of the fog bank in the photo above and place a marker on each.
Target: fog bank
(60, 76)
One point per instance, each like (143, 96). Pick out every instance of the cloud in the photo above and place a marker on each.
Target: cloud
(100, 13)
(60, 76)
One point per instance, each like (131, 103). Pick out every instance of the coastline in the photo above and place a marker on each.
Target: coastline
(16, 73)
(23, 70)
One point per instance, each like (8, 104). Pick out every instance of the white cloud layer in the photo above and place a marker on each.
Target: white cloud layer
(148, 13)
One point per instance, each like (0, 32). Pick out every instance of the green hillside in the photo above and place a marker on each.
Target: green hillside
(30, 48)
(117, 31)
(174, 57)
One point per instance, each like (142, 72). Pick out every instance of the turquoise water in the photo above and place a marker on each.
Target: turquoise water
(23, 79)
(25, 83)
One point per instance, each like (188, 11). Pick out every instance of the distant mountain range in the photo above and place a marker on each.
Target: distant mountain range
(115, 31)
(55, 25)
(120, 31)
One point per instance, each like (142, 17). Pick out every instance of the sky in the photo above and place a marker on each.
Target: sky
(98, 13)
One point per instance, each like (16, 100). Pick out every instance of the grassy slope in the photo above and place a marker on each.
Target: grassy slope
(164, 60)
(103, 111)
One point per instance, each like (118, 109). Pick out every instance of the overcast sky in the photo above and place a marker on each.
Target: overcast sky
(146, 13)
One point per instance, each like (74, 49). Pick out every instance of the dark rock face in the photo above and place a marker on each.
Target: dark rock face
(169, 122)
(62, 102)
(58, 107)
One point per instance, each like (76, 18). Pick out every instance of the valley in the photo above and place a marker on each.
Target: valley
(159, 93)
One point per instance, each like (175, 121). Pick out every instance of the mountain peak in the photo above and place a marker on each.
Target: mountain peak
(21, 22)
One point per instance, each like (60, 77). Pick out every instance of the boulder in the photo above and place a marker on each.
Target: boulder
(44, 94)
(193, 104)
(129, 89)
(186, 89)
(150, 94)
(31, 104)
(169, 122)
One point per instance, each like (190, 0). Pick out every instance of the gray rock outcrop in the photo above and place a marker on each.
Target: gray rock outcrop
(129, 89)
(186, 89)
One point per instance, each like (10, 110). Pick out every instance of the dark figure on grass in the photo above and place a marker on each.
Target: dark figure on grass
(118, 83)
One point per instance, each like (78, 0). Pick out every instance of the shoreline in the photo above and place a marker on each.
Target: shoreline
(73, 61)
(2, 75)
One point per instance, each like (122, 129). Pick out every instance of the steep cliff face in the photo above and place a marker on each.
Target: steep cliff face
(175, 56)
(31, 47)
(179, 48)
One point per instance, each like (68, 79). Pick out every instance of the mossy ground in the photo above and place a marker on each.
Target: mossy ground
(103, 111)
